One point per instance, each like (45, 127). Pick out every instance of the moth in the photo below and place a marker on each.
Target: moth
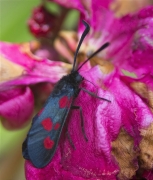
(42, 139)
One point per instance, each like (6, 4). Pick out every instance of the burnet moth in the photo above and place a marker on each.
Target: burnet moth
(42, 139)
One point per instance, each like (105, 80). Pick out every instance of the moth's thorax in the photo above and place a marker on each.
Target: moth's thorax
(69, 83)
(75, 78)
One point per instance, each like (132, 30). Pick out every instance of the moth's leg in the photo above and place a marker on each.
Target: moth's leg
(69, 138)
(68, 135)
(82, 120)
(94, 95)
(90, 82)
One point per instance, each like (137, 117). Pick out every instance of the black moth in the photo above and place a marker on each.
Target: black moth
(43, 136)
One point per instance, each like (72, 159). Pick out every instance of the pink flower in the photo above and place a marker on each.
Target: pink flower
(130, 40)
(130, 36)
(119, 132)
(20, 70)
(114, 131)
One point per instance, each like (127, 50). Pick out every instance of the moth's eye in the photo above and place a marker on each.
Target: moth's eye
(79, 78)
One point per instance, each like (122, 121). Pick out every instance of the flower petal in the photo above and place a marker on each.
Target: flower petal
(148, 175)
(16, 107)
(131, 44)
(131, 39)
(32, 70)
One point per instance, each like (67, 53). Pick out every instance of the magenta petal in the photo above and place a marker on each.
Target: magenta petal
(146, 80)
(82, 5)
(49, 172)
(16, 106)
(96, 15)
(35, 71)
(90, 10)
(148, 175)
(131, 38)
(77, 4)
(54, 171)
(131, 42)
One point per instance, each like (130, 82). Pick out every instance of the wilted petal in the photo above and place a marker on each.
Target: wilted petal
(136, 54)
(131, 42)
(148, 175)
(145, 33)
(16, 107)
(143, 87)
(136, 116)
(32, 69)
(122, 7)
(66, 44)
(123, 126)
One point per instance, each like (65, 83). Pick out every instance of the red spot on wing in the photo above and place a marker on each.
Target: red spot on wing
(56, 126)
(47, 124)
(48, 143)
(39, 113)
(63, 102)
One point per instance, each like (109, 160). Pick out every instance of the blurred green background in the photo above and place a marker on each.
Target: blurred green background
(13, 18)
(14, 15)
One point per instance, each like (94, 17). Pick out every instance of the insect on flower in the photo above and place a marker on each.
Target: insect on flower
(44, 134)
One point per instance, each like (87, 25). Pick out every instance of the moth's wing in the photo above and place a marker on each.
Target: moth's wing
(43, 137)
(25, 150)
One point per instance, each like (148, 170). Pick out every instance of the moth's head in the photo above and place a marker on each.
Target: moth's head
(77, 78)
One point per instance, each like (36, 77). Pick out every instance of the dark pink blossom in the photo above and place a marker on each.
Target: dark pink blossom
(41, 24)
(103, 123)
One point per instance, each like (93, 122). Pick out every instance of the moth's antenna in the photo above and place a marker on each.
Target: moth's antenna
(100, 49)
(87, 28)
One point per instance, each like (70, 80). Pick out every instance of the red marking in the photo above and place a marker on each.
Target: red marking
(39, 113)
(48, 143)
(57, 125)
(47, 124)
(63, 102)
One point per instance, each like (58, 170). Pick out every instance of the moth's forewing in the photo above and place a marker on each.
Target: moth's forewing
(25, 150)
(46, 128)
